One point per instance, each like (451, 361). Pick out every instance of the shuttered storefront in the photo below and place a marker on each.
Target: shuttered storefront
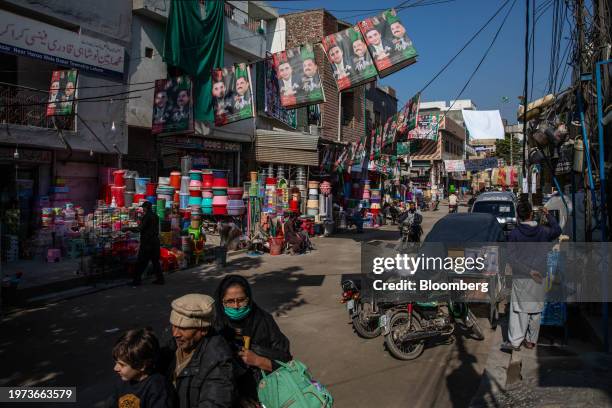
(286, 147)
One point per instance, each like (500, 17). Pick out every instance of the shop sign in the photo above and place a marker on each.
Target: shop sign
(25, 155)
(221, 146)
(34, 39)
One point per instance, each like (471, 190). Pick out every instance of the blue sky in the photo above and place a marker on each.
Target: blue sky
(439, 31)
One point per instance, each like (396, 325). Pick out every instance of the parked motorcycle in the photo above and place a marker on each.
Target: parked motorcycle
(361, 312)
(407, 326)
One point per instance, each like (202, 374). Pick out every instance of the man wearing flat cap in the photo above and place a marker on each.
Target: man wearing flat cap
(198, 361)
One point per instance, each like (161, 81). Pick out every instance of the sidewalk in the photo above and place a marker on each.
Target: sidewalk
(551, 375)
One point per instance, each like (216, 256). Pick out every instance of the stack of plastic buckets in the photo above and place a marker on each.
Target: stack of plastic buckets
(130, 188)
(270, 195)
(207, 192)
(184, 193)
(312, 206)
(118, 188)
(235, 205)
(219, 193)
(300, 182)
(366, 194)
(195, 189)
(150, 193)
(141, 189)
(375, 199)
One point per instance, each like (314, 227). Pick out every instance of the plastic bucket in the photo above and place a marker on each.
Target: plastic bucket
(195, 175)
(183, 201)
(175, 179)
(207, 194)
(141, 184)
(150, 189)
(119, 178)
(163, 181)
(130, 184)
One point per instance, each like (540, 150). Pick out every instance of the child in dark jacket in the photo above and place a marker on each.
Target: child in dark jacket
(136, 354)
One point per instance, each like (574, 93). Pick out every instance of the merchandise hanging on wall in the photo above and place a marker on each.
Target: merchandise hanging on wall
(173, 108)
(407, 118)
(349, 57)
(268, 96)
(426, 128)
(390, 46)
(232, 94)
(62, 93)
(299, 82)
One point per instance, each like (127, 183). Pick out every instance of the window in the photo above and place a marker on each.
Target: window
(149, 52)
(348, 109)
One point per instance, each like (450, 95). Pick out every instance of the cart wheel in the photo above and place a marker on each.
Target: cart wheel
(493, 316)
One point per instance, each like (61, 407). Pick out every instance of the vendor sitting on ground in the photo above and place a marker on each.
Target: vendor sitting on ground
(296, 241)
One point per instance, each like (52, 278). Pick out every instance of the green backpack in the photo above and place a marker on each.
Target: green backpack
(292, 386)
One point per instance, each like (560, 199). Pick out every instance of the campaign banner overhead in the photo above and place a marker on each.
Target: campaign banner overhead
(268, 95)
(173, 108)
(298, 77)
(390, 46)
(232, 94)
(350, 60)
(34, 39)
(407, 118)
(426, 128)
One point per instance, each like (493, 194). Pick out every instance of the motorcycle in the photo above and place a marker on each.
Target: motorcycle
(361, 312)
(407, 326)
(411, 231)
(452, 209)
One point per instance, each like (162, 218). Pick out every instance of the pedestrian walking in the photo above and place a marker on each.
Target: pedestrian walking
(253, 335)
(136, 354)
(198, 360)
(527, 299)
(149, 246)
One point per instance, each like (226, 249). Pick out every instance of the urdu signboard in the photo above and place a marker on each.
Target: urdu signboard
(34, 39)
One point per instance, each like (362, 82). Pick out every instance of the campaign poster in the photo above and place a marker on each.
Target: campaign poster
(427, 127)
(389, 131)
(407, 118)
(298, 76)
(390, 46)
(268, 95)
(62, 93)
(349, 57)
(172, 106)
(232, 94)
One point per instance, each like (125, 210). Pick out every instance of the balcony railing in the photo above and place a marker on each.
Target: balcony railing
(20, 106)
(243, 20)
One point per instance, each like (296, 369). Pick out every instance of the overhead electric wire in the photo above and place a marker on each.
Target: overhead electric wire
(465, 46)
(484, 56)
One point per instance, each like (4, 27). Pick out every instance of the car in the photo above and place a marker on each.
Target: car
(501, 204)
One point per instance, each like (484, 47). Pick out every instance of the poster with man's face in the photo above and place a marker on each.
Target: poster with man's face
(427, 127)
(349, 57)
(407, 118)
(172, 106)
(390, 46)
(298, 77)
(232, 94)
(62, 93)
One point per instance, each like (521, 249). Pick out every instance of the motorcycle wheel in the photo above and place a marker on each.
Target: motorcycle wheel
(365, 328)
(476, 329)
(403, 350)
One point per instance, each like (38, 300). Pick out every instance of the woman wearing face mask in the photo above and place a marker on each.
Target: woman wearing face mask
(252, 333)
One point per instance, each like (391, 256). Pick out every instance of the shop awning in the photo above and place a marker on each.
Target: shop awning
(274, 146)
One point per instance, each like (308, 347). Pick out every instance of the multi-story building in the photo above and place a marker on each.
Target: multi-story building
(427, 163)
(250, 34)
(36, 38)
(381, 104)
(342, 116)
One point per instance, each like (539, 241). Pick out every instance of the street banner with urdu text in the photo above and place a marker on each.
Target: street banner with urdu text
(407, 118)
(481, 164)
(298, 77)
(390, 46)
(454, 166)
(173, 108)
(427, 127)
(349, 57)
(62, 93)
(232, 94)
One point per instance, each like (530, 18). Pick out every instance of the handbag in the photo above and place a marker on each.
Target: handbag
(292, 386)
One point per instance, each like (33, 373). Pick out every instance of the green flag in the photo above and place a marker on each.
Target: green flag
(195, 45)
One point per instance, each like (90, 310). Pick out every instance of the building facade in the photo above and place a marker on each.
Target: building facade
(37, 152)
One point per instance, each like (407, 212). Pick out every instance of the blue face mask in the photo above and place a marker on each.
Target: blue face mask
(237, 314)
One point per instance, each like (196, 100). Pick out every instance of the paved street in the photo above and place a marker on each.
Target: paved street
(301, 291)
